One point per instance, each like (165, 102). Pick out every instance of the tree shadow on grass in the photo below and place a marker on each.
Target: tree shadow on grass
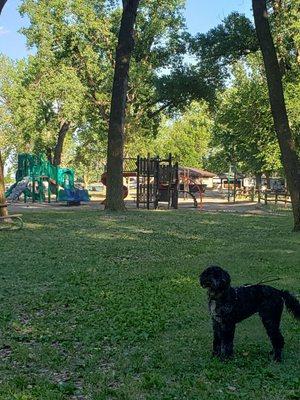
(113, 300)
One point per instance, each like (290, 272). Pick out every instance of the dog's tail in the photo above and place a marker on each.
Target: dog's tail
(292, 304)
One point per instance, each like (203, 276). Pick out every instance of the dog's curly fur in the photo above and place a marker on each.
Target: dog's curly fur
(228, 306)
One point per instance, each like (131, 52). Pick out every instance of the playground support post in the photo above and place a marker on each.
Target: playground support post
(33, 189)
(49, 192)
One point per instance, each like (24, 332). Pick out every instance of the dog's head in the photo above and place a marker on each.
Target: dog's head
(216, 280)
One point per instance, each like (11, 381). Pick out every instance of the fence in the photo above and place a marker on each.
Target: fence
(276, 197)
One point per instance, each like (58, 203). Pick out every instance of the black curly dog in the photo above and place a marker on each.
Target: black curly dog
(228, 305)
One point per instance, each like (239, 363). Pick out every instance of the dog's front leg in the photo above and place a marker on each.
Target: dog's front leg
(217, 338)
(227, 336)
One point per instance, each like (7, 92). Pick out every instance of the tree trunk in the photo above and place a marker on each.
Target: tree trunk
(2, 4)
(258, 186)
(3, 210)
(115, 150)
(49, 154)
(86, 179)
(289, 156)
(64, 127)
(268, 180)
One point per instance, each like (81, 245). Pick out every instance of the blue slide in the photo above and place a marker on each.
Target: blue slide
(73, 196)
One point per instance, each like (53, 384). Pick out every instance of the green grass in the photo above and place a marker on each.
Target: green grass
(107, 306)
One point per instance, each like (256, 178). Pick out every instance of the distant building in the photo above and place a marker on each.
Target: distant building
(197, 175)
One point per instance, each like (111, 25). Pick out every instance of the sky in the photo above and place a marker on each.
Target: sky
(201, 15)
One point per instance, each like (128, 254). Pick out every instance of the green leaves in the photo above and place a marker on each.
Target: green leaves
(188, 137)
(70, 76)
(234, 38)
(243, 124)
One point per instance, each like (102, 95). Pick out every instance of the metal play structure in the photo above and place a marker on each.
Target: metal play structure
(159, 180)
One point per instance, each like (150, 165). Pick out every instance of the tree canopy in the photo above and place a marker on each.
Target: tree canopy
(202, 97)
(243, 123)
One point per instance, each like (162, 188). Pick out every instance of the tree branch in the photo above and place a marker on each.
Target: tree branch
(160, 109)
(2, 4)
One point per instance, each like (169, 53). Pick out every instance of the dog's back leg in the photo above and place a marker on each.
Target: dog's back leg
(270, 313)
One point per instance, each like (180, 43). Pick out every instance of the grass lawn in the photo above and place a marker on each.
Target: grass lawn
(107, 306)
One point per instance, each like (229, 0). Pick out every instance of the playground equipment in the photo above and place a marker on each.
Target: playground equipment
(104, 182)
(36, 177)
(158, 180)
(189, 186)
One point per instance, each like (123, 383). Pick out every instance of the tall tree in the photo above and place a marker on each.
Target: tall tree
(290, 160)
(81, 36)
(115, 148)
(42, 104)
(71, 72)
(3, 211)
(5, 148)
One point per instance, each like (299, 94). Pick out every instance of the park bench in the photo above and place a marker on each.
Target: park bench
(14, 221)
